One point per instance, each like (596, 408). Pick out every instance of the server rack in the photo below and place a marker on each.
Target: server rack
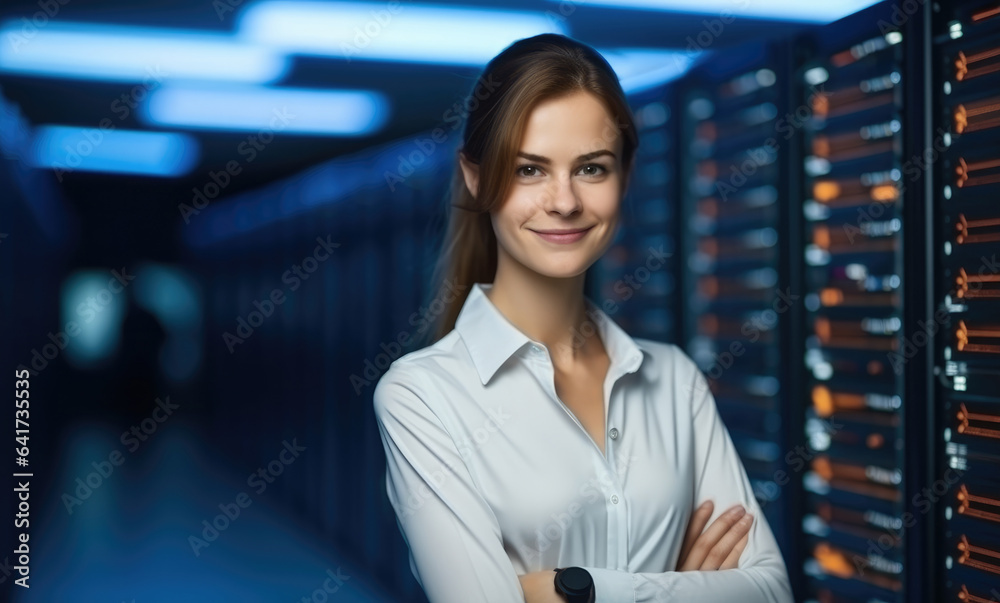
(849, 82)
(737, 293)
(967, 356)
(635, 280)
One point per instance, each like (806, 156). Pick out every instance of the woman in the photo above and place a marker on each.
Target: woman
(534, 434)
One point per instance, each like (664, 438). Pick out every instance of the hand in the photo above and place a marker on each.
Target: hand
(540, 587)
(722, 543)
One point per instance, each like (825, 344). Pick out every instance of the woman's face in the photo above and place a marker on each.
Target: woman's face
(568, 176)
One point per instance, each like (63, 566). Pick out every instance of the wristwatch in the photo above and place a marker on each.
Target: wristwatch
(575, 585)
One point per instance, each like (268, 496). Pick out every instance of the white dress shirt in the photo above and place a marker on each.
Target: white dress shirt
(491, 476)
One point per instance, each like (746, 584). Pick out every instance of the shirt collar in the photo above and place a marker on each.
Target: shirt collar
(492, 339)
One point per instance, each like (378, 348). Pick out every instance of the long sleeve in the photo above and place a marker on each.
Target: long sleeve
(454, 539)
(720, 477)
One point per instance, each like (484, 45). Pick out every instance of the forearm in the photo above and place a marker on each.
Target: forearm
(761, 584)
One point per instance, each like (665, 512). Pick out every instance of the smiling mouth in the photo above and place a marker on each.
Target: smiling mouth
(563, 236)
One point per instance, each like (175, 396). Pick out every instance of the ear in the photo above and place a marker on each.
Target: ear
(470, 171)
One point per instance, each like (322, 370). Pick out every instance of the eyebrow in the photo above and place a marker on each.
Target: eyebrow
(585, 157)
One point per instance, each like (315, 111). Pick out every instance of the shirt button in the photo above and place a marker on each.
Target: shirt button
(613, 433)
(535, 349)
(614, 499)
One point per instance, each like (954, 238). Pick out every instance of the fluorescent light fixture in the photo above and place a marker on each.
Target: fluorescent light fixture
(134, 54)
(374, 31)
(639, 68)
(782, 10)
(70, 148)
(259, 108)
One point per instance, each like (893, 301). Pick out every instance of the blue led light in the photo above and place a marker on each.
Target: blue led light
(68, 148)
(642, 68)
(274, 110)
(782, 10)
(134, 54)
(406, 32)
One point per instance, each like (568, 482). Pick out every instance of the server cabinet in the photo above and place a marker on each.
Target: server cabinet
(736, 292)
(849, 92)
(966, 147)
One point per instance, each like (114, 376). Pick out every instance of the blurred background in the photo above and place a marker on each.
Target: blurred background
(218, 219)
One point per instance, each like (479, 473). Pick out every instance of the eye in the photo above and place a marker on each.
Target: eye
(593, 169)
(527, 171)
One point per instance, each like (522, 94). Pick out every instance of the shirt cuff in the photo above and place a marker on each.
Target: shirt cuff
(612, 586)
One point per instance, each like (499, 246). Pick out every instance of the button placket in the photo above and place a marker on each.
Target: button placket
(618, 511)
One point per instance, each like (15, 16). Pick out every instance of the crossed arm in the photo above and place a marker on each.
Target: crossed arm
(719, 547)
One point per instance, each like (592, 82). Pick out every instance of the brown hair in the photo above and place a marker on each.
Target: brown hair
(527, 72)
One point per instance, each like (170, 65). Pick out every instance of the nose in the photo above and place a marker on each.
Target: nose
(560, 196)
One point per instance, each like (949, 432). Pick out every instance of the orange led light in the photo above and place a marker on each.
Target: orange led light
(831, 297)
(821, 236)
(965, 427)
(821, 146)
(822, 401)
(885, 192)
(875, 440)
(826, 190)
(986, 13)
(967, 550)
(966, 500)
(833, 562)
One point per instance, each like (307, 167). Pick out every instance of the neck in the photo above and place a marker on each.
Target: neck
(549, 310)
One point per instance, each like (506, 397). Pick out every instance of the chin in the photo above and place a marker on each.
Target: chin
(560, 269)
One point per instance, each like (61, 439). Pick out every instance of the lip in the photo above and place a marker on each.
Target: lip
(570, 235)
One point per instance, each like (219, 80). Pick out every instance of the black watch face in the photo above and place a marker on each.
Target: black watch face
(576, 581)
